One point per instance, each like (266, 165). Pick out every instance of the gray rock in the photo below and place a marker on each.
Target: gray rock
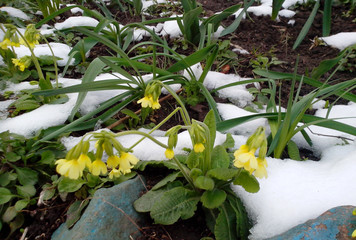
(109, 215)
(336, 223)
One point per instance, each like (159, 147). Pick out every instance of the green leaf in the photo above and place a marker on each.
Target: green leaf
(5, 195)
(70, 185)
(48, 191)
(170, 178)
(247, 181)
(213, 199)
(170, 164)
(130, 113)
(191, 25)
(326, 65)
(47, 157)
(307, 25)
(5, 179)
(327, 17)
(74, 212)
(26, 191)
(17, 223)
(26, 176)
(210, 100)
(21, 204)
(191, 59)
(225, 224)
(219, 157)
(293, 151)
(9, 214)
(95, 67)
(224, 174)
(229, 142)
(195, 172)
(242, 220)
(209, 120)
(194, 159)
(204, 182)
(276, 6)
(12, 157)
(146, 202)
(176, 203)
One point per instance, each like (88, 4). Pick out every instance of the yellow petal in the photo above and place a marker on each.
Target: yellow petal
(145, 102)
(169, 153)
(156, 105)
(113, 161)
(84, 161)
(354, 234)
(199, 147)
(114, 173)
(241, 150)
(98, 167)
(75, 171)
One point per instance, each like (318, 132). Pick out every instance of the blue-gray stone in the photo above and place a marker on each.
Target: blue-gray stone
(336, 223)
(109, 215)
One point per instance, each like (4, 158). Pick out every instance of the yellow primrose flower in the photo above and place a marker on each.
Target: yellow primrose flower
(199, 147)
(85, 161)
(353, 234)
(261, 171)
(69, 168)
(6, 43)
(114, 173)
(31, 35)
(146, 101)
(98, 167)
(127, 161)
(156, 105)
(169, 153)
(22, 63)
(113, 161)
(245, 159)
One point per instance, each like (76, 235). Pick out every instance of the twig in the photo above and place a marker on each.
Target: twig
(24, 234)
(326, 135)
(139, 111)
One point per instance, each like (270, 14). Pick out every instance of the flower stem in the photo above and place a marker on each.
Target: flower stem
(156, 127)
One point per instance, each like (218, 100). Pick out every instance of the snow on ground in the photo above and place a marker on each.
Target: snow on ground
(60, 50)
(14, 12)
(341, 40)
(297, 191)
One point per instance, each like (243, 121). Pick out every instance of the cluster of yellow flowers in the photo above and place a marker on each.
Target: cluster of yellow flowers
(77, 159)
(152, 92)
(245, 155)
(11, 39)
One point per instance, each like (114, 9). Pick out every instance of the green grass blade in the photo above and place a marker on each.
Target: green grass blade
(307, 80)
(233, 26)
(69, 127)
(307, 25)
(307, 119)
(211, 102)
(191, 59)
(326, 65)
(95, 67)
(276, 6)
(217, 18)
(327, 17)
(209, 63)
(86, 87)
